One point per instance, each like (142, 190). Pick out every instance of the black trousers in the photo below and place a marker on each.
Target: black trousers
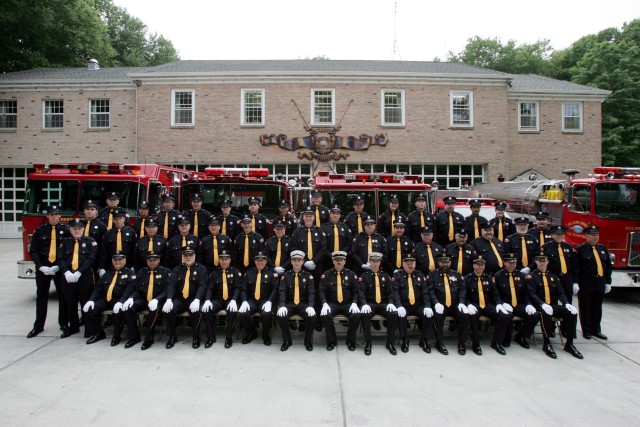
(266, 318)
(529, 322)
(570, 321)
(210, 317)
(300, 310)
(77, 293)
(330, 327)
(131, 318)
(93, 318)
(380, 310)
(180, 305)
(590, 299)
(461, 318)
(43, 284)
(426, 323)
(500, 320)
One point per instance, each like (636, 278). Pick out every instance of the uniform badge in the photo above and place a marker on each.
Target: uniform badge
(94, 243)
(158, 276)
(453, 279)
(84, 245)
(322, 277)
(95, 226)
(304, 280)
(124, 276)
(126, 234)
(195, 273)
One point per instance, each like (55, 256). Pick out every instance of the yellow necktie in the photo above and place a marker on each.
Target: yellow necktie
(317, 217)
(224, 226)
(480, 293)
(378, 293)
(87, 228)
(495, 251)
(74, 259)
(225, 286)
(187, 280)
(563, 263)
(52, 245)
(476, 232)
(150, 247)
(110, 221)
(142, 227)
(393, 221)
(598, 261)
(278, 253)
(119, 240)
(450, 235)
(447, 291)
(245, 261)
(258, 283)
(359, 224)
(541, 238)
(525, 254)
(165, 231)
(339, 284)
(215, 251)
(512, 288)
(336, 238)
(184, 241)
(296, 289)
(150, 288)
(112, 285)
(398, 254)
(500, 235)
(309, 244)
(545, 283)
(195, 224)
(370, 245)
(253, 223)
(460, 259)
(412, 296)
(432, 264)
(422, 219)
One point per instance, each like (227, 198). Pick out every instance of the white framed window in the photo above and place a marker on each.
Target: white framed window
(9, 114)
(572, 116)
(53, 114)
(252, 107)
(528, 116)
(323, 108)
(392, 107)
(461, 108)
(183, 107)
(99, 114)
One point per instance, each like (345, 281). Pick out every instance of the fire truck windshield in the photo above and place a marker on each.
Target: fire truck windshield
(618, 200)
(70, 194)
(239, 193)
(344, 199)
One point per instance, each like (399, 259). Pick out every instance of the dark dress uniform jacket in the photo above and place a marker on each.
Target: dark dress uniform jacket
(173, 216)
(501, 278)
(456, 286)
(138, 226)
(388, 289)
(87, 254)
(271, 248)
(230, 225)
(269, 282)
(352, 222)
(41, 242)
(535, 232)
(414, 226)
(360, 245)
(483, 247)
(324, 215)
(386, 220)
(203, 221)
(406, 247)
(422, 297)
(197, 282)
(344, 236)
(469, 225)
(306, 288)
(422, 256)
(108, 247)
(161, 277)
(536, 289)
(442, 226)
(299, 241)
(468, 253)
(256, 241)
(142, 249)
(587, 268)
(205, 250)
(290, 222)
(215, 286)
(489, 289)
(173, 254)
(123, 287)
(262, 225)
(507, 225)
(329, 287)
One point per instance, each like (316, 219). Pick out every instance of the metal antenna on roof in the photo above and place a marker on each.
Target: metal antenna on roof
(396, 49)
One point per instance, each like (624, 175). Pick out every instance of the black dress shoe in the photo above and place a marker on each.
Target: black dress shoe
(441, 348)
(146, 344)
(172, 341)
(132, 342)
(476, 349)
(498, 348)
(94, 339)
(405, 345)
(34, 332)
(249, 338)
(600, 335)
(367, 348)
(425, 345)
(389, 346)
(506, 343)
(69, 332)
(548, 350)
(586, 335)
(86, 334)
(64, 328)
(522, 342)
(572, 350)
(115, 341)
(308, 346)
(331, 346)
(285, 345)
(196, 342)
(462, 349)
(266, 339)
(351, 346)
(228, 343)
(209, 342)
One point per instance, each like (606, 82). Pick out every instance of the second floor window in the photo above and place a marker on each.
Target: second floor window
(393, 107)
(252, 107)
(53, 114)
(182, 107)
(461, 109)
(99, 114)
(528, 116)
(572, 117)
(8, 114)
(322, 107)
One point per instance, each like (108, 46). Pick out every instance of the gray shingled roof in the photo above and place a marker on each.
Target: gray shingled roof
(75, 74)
(534, 82)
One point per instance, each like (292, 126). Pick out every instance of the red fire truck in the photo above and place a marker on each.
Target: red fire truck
(607, 198)
(70, 184)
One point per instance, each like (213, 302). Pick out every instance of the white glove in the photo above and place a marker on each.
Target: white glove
(194, 306)
(428, 312)
(68, 276)
(530, 310)
(117, 307)
(232, 306)
(127, 304)
(353, 308)
(88, 306)
(391, 307)
(267, 306)
(310, 311)
(402, 312)
(571, 309)
(244, 307)
(282, 311)
(463, 308)
(366, 266)
(76, 276)
(547, 309)
(525, 270)
(278, 270)
(207, 306)
(168, 306)
(325, 309)
(576, 288)
(310, 265)
(507, 307)
(101, 272)
(45, 270)
(439, 308)
(473, 310)
(365, 309)
(54, 269)
(607, 288)
(153, 304)
(500, 309)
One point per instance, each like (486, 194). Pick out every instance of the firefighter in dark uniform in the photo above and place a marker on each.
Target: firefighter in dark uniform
(473, 222)
(151, 242)
(490, 248)
(260, 288)
(398, 245)
(106, 214)
(483, 299)
(427, 252)
(278, 247)
(503, 226)
(415, 300)
(140, 222)
(94, 228)
(365, 243)
(109, 294)
(45, 243)
(224, 290)
(287, 218)
(594, 281)
(121, 238)
(173, 254)
(212, 244)
(450, 297)
(259, 222)
(296, 296)
(461, 253)
(562, 260)
(168, 217)
(338, 234)
(541, 231)
(320, 212)
(338, 294)
(76, 257)
(198, 217)
(419, 219)
(514, 293)
(524, 245)
(388, 218)
(187, 286)
(310, 240)
(246, 245)
(546, 294)
(355, 219)
(378, 295)
(150, 293)
(447, 221)
(229, 224)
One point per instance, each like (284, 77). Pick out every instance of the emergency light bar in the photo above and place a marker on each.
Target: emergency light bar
(249, 172)
(364, 177)
(88, 168)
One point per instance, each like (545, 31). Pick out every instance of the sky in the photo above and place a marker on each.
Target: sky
(366, 29)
